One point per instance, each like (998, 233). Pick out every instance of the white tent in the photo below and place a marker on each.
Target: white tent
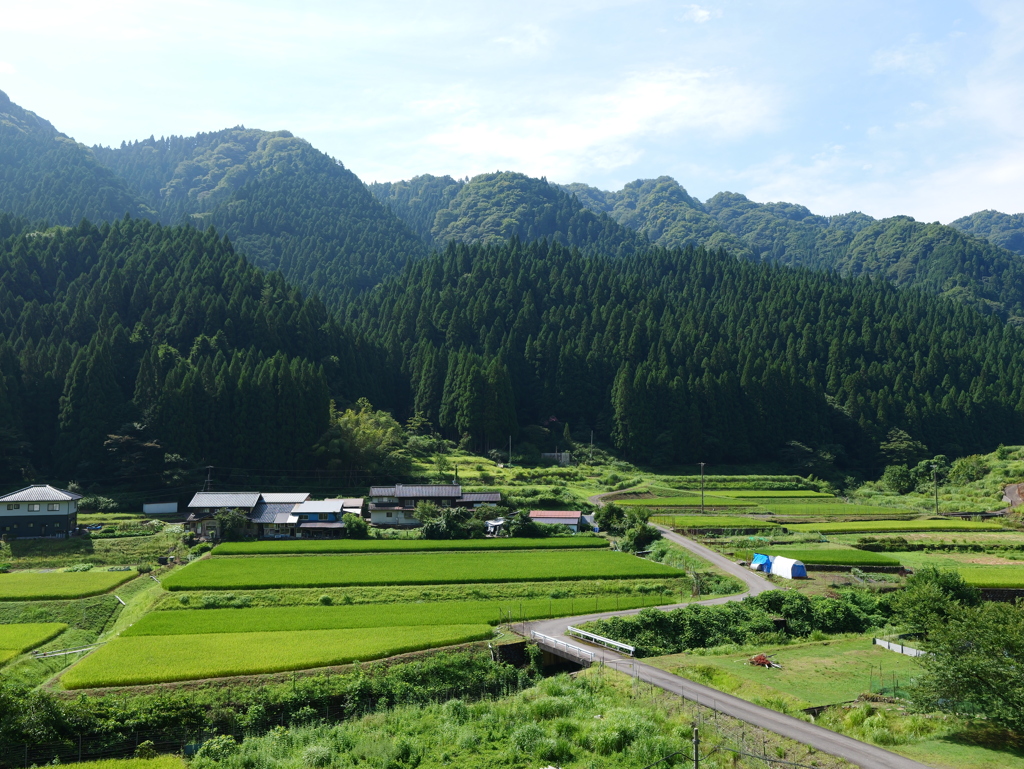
(788, 568)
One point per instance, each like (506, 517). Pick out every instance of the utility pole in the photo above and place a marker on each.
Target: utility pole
(696, 749)
(701, 487)
(209, 481)
(510, 451)
(591, 447)
(935, 478)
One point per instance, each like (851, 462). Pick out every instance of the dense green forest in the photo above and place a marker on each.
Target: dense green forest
(284, 204)
(161, 341)
(1003, 230)
(683, 355)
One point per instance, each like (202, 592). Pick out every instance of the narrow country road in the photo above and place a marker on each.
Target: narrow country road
(857, 752)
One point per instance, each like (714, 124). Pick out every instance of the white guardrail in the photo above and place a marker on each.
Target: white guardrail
(898, 648)
(576, 651)
(600, 640)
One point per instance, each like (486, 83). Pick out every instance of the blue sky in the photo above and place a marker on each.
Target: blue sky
(885, 107)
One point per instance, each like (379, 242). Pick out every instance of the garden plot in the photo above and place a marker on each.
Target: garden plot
(857, 527)
(130, 661)
(409, 569)
(406, 545)
(47, 586)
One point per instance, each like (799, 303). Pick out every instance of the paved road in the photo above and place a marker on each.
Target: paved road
(859, 753)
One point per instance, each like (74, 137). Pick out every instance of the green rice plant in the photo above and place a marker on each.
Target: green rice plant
(160, 762)
(130, 661)
(856, 527)
(280, 547)
(687, 501)
(203, 621)
(409, 569)
(744, 494)
(994, 576)
(30, 635)
(698, 522)
(6, 655)
(834, 556)
(36, 586)
(826, 509)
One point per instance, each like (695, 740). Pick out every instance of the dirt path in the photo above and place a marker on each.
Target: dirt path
(1012, 494)
(598, 499)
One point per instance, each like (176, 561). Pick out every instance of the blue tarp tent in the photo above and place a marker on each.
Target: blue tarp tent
(761, 562)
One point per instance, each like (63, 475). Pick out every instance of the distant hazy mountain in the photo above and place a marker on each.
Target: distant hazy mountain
(44, 175)
(491, 208)
(1004, 230)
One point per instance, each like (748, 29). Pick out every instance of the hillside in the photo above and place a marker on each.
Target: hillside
(682, 356)
(491, 208)
(284, 204)
(167, 338)
(47, 176)
(1003, 230)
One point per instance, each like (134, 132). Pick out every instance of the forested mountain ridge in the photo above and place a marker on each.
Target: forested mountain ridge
(1003, 230)
(286, 205)
(491, 208)
(938, 258)
(168, 338)
(683, 355)
(46, 176)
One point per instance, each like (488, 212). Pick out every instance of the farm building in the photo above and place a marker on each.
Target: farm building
(776, 564)
(273, 515)
(39, 511)
(396, 505)
(571, 518)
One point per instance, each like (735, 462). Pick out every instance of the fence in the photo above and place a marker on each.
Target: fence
(574, 651)
(593, 638)
(898, 648)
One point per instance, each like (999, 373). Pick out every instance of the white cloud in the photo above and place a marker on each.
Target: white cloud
(914, 57)
(7, 69)
(699, 15)
(528, 40)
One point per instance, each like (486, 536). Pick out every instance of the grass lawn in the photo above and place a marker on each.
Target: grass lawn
(406, 545)
(828, 555)
(201, 621)
(812, 673)
(128, 661)
(36, 586)
(712, 522)
(851, 527)
(410, 569)
(688, 501)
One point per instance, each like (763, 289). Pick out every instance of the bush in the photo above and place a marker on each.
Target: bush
(218, 748)
(80, 567)
(898, 479)
(325, 600)
(967, 470)
(355, 526)
(144, 568)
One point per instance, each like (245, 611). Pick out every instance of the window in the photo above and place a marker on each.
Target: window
(303, 517)
(13, 507)
(53, 507)
(33, 508)
(323, 516)
(390, 514)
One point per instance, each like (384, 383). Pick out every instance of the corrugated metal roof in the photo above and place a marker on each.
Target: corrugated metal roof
(382, 491)
(244, 499)
(293, 497)
(285, 517)
(350, 503)
(556, 514)
(267, 513)
(40, 493)
(322, 525)
(481, 496)
(319, 506)
(433, 490)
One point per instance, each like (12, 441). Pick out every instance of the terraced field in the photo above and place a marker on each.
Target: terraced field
(857, 527)
(830, 556)
(409, 569)
(831, 509)
(49, 586)
(20, 638)
(687, 501)
(698, 522)
(281, 547)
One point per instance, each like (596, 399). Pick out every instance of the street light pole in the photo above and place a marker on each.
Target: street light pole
(701, 487)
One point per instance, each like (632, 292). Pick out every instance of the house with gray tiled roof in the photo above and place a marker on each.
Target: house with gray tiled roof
(395, 505)
(39, 511)
(272, 515)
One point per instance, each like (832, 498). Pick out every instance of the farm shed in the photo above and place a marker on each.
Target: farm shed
(571, 518)
(788, 568)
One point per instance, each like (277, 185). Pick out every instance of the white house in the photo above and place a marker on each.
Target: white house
(39, 511)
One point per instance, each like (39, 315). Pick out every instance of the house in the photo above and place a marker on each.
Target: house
(571, 518)
(273, 515)
(205, 504)
(495, 527)
(396, 505)
(39, 511)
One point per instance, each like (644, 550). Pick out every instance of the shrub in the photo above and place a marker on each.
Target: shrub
(898, 479)
(80, 567)
(325, 600)
(218, 748)
(144, 568)
(317, 756)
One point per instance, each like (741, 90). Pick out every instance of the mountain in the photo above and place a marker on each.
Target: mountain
(691, 355)
(1003, 230)
(46, 176)
(168, 340)
(284, 204)
(491, 208)
(940, 259)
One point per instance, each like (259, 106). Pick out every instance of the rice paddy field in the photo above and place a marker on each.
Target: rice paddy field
(48, 586)
(20, 638)
(409, 569)
(856, 527)
(698, 522)
(829, 556)
(754, 494)
(832, 509)
(686, 501)
(280, 547)
(135, 660)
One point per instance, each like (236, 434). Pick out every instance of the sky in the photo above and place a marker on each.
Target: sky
(897, 107)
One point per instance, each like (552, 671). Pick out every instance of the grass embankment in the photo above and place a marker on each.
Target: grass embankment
(130, 661)
(281, 547)
(17, 639)
(699, 522)
(121, 551)
(44, 586)
(858, 527)
(409, 569)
